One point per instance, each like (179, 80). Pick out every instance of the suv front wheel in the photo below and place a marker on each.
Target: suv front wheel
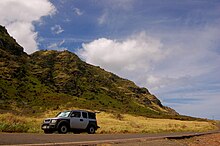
(63, 129)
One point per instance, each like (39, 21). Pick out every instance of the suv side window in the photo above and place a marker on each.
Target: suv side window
(91, 115)
(84, 115)
(76, 114)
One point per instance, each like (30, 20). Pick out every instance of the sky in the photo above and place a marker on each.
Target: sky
(171, 47)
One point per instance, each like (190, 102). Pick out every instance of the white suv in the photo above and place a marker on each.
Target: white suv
(76, 121)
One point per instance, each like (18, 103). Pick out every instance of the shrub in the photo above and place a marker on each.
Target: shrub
(11, 123)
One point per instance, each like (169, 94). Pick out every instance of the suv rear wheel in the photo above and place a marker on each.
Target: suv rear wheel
(91, 130)
(63, 129)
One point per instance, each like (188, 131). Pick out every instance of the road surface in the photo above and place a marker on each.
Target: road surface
(84, 139)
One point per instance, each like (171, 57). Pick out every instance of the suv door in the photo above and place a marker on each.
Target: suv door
(85, 120)
(78, 120)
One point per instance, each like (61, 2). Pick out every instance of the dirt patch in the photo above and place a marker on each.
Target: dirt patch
(205, 140)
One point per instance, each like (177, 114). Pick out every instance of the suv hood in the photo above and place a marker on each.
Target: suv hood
(55, 118)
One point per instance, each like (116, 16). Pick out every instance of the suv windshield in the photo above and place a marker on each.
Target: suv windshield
(63, 114)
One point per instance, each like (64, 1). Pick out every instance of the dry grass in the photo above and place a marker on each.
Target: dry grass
(118, 123)
(15, 123)
(109, 123)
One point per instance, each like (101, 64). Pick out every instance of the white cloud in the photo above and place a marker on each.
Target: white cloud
(57, 45)
(154, 64)
(135, 54)
(206, 106)
(77, 11)
(118, 4)
(103, 18)
(18, 17)
(67, 20)
(112, 7)
(57, 29)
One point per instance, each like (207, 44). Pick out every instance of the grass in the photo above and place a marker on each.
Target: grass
(117, 123)
(109, 123)
(20, 124)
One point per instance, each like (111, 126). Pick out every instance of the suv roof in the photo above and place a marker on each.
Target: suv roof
(79, 111)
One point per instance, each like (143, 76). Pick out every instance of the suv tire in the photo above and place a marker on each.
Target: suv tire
(91, 130)
(63, 129)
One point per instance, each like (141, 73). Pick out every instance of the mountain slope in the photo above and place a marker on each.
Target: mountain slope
(53, 79)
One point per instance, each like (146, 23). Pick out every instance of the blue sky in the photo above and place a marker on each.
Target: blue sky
(171, 47)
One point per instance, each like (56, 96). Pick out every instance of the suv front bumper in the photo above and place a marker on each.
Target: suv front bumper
(48, 127)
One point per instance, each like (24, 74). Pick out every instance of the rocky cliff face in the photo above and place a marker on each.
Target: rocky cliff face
(53, 79)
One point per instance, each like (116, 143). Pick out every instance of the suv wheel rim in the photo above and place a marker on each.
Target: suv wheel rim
(91, 129)
(63, 129)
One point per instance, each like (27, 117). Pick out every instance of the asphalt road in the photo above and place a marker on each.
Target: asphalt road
(84, 139)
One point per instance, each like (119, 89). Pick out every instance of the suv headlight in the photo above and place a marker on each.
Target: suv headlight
(53, 121)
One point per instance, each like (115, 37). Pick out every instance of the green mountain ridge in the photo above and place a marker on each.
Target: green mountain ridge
(47, 80)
